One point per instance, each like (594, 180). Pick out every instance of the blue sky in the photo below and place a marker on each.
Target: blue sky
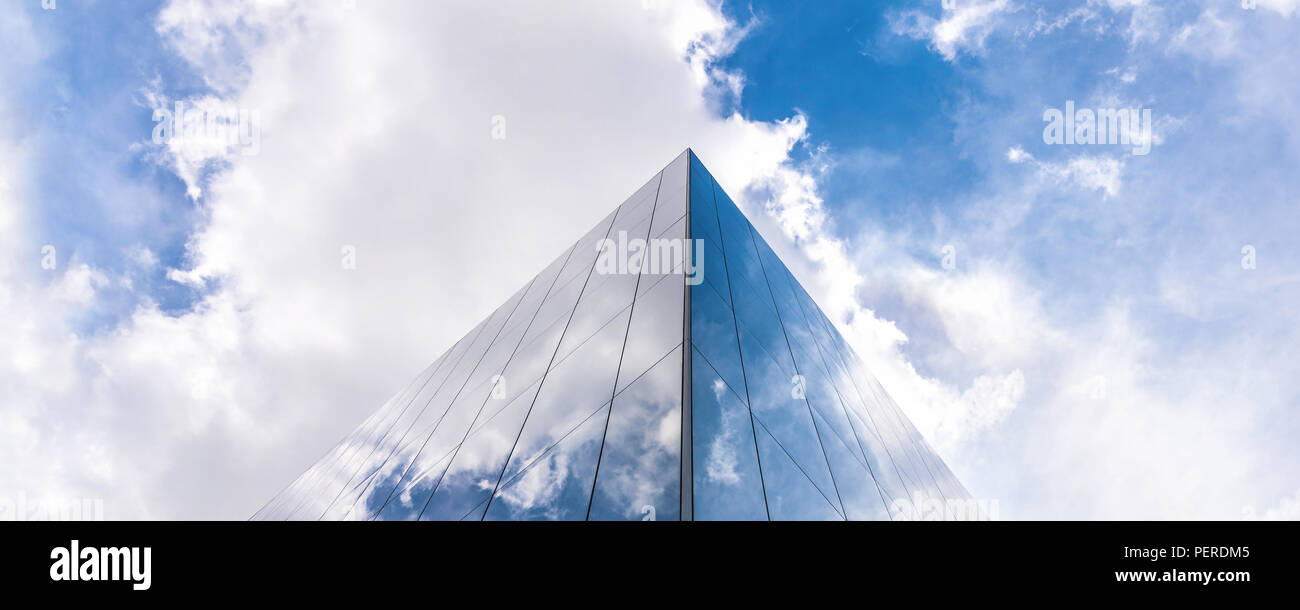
(105, 196)
(870, 96)
(1098, 349)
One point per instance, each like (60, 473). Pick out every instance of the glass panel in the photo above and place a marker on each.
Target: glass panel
(742, 267)
(728, 212)
(283, 505)
(913, 444)
(584, 251)
(791, 495)
(446, 505)
(667, 252)
(893, 436)
(434, 453)
(881, 463)
(784, 414)
(639, 206)
(764, 324)
(727, 482)
(555, 485)
(967, 507)
(478, 464)
(889, 477)
(534, 355)
(713, 331)
(715, 271)
(656, 328)
(612, 283)
(293, 497)
(855, 485)
(569, 393)
(639, 474)
(445, 406)
(671, 203)
(407, 504)
(378, 456)
(538, 290)
(557, 307)
(609, 296)
(819, 390)
(704, 215)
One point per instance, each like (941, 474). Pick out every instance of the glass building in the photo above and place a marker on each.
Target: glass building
(666, 366)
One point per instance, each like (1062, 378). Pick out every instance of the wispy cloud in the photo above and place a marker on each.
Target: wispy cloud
(961, 27)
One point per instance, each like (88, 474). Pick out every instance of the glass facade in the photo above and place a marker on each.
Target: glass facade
(666, 366)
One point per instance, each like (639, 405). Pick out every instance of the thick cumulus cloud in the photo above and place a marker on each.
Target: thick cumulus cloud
(417, 163)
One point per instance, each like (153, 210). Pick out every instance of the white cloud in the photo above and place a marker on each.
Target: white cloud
(1210, 35)
(1286, 8)
(77, 285)
(1288, 509)
(1127, 76)
(143, 257)
(963, 26)
(1092, 172)
(198, 135)
(1087, 171)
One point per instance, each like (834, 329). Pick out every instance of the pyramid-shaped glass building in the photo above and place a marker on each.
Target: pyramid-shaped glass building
(666, 366)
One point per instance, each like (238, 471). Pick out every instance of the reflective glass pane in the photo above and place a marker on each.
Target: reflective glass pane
(406, 502)
(612, 282)
(894, 438)
(376, 460)
(915, 447)
(534, 355)
(538, 290)
(713, 331)
(671, 203)
(666, 254)
(819, 388)
(672, 194)
(854, 483)
(580, 263)
(476, 468)
(294, 496)
(570, 392)
(764, 325)
(775, 402)
(715, 270)
(599, 305)
(881, 463)
(727, 482)
(749, 293)
(448, 411)
(433, 456)
(704, 216)
(639, 206)
(656, 327)
(639, 473)
(791, 495)
(554, 484)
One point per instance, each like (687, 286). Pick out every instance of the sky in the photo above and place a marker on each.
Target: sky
(1082, 331)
